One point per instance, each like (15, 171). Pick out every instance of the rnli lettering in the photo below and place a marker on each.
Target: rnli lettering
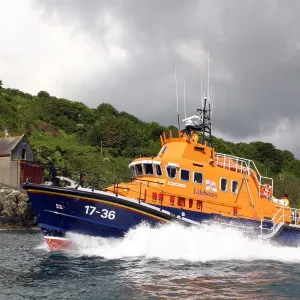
(204, 193)
(104, 213)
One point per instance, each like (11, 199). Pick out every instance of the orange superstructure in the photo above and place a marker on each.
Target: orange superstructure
(190, 176)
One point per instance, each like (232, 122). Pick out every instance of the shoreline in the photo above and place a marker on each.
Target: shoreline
(15, 227)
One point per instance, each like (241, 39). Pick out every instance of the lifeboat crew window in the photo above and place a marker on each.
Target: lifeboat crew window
(148, 169)
(171, 171)
(198, 177)
(158, 170)
(234, 186)
(138, 170)
(223, 184)
(185, 175)
(132, 172)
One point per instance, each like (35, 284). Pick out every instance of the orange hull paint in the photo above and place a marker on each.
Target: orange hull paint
(58, 244)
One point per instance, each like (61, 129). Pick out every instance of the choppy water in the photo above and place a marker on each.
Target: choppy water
(171, 262)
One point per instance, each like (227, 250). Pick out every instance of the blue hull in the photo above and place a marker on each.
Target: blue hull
(60, 211)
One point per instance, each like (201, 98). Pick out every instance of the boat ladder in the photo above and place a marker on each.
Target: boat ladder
(278, 221)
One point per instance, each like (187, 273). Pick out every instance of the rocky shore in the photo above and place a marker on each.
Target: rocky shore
(15, 209)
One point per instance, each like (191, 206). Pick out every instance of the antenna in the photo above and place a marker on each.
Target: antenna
(201, 91)
(184, 98)
(208, 77)
(177, 99)
(212, 103)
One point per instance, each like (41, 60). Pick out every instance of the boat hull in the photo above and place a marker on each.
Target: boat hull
(96, 213)
(61, 211)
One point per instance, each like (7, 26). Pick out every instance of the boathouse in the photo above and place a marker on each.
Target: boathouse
(18, 162)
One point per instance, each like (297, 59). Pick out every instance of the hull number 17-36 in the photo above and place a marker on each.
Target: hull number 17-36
(104, 213)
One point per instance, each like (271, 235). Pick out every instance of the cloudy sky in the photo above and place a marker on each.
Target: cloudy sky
(124, 52)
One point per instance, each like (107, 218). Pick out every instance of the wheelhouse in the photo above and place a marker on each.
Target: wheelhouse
(146, 168)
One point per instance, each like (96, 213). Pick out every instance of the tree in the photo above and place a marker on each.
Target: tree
(106, 109)
(1, 83)
(43, 94)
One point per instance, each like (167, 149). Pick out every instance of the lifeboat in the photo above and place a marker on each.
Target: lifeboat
(187, 182)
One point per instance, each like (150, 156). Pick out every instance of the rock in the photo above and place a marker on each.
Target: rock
(15, 209)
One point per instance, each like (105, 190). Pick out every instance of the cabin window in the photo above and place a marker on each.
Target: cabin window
(198, 177)
(132, 172)
(191, 203)
(158, 170)
(234, 186)
(138, 170)
(148, 169)
(185, 175)
(171, 172)
(223, 184)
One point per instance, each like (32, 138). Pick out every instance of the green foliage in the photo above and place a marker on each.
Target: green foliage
(103, 139)
(1, 83)
(43, 94)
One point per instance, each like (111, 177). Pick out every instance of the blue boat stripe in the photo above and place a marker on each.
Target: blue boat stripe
(88, 220)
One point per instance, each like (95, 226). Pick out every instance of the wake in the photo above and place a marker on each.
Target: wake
(175, 242)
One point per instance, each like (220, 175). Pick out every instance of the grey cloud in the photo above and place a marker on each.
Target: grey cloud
(254, 48)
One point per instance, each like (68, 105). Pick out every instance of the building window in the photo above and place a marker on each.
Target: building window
(198, 177)
(234, 186)
(148, 169)
(23, 153)
(158, 170)
(171, 172)
(223, 184)
(185, 175)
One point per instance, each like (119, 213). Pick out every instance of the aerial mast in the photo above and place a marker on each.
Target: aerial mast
(177, 100)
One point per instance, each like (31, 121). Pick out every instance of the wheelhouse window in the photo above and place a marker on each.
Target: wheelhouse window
(171, 171)
(234, 186)
(138, 170)
(158, 170)
(132, 172)
(185, 175)
(148, 169)
(223, 184)
(198, 177)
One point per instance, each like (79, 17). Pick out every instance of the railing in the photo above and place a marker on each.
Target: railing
(292, 218)
(243, 165)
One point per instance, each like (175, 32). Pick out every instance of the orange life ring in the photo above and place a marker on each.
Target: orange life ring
(266, 191)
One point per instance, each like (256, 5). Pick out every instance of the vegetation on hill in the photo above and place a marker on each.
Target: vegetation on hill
(72, 135)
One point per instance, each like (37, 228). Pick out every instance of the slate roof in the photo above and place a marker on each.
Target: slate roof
(8, 144)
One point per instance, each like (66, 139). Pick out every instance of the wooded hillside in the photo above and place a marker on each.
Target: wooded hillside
(75, 136)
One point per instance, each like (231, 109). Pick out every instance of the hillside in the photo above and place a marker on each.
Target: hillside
(103, 139)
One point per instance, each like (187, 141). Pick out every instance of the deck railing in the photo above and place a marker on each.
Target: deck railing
(243, 165)
(284, 215)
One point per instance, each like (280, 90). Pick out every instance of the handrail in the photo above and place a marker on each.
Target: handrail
(239, 161)
(295, 219)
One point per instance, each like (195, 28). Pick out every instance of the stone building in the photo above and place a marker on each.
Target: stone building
(17, 162)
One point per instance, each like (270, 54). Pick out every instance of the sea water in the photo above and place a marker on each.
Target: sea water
(169, 262)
